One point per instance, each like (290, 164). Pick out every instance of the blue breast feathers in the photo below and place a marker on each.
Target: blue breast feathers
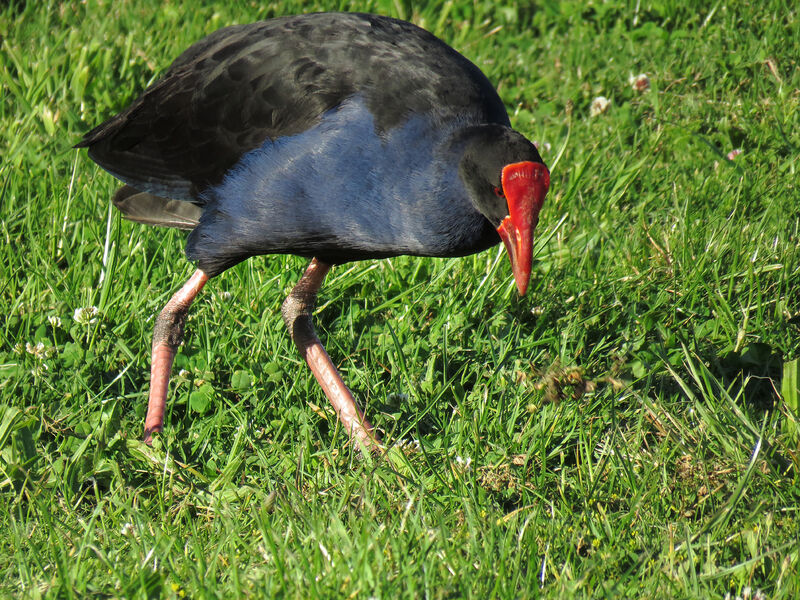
(341, 191)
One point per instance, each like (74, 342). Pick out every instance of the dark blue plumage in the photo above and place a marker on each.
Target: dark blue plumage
(340, 191)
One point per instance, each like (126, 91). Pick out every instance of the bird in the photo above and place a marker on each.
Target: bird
(336, 137)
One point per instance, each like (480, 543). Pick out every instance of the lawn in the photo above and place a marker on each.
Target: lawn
(629, 428)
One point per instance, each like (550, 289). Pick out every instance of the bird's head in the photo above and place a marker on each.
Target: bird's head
(507, 182)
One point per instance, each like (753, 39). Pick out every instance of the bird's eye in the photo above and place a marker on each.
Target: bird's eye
(498, 191)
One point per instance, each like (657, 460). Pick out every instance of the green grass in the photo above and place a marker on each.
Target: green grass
(624, 430)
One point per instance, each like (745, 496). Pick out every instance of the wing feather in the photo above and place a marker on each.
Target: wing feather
(229, 92)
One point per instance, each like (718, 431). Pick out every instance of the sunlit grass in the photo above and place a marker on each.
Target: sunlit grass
(625, 429)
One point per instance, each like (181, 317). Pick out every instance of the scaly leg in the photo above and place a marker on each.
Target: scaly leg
(167, 336)
(296, 310)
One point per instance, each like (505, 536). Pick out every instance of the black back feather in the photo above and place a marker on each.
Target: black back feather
(243, 84)
(149, 209)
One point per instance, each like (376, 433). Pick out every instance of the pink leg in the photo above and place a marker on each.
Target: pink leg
(297, 309)
(167, 337)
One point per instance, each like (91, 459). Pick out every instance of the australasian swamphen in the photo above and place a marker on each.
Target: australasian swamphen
(333, 136)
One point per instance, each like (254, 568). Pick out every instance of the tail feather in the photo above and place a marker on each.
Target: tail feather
(150, 209)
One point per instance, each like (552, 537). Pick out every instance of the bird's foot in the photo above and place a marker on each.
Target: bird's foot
(167, 336)
(148, 435)
(296, 310)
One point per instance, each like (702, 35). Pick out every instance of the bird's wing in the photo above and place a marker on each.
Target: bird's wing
(237, 87)
(150, 209)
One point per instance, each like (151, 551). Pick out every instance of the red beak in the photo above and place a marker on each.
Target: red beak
(525, 185)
